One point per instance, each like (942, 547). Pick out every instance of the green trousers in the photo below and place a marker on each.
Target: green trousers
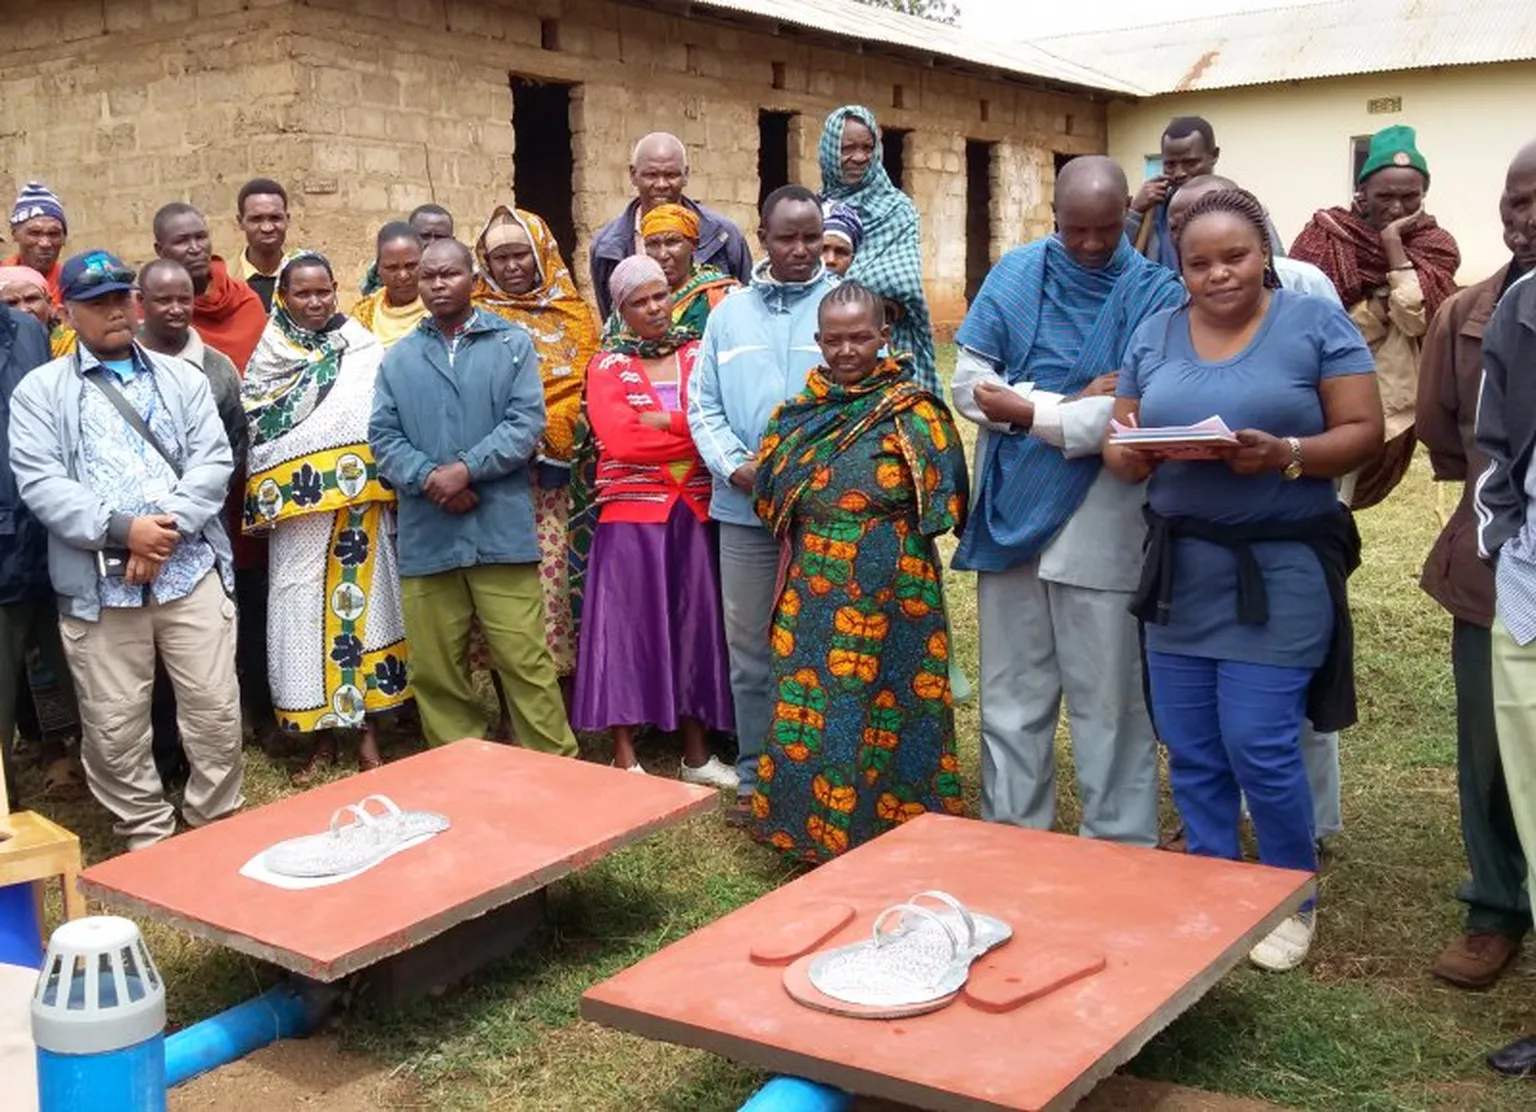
(509, 601)
(1514, 714)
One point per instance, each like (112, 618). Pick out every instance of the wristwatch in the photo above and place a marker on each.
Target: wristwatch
(1292, 470)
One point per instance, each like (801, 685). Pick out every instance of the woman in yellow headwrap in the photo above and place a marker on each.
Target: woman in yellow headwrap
(671, 236)
(523, 279)
(395, 309)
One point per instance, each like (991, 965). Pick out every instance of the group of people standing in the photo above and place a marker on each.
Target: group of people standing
(712, 506)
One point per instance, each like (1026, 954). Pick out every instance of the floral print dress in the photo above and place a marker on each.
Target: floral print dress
(335, 631)
(859, 480)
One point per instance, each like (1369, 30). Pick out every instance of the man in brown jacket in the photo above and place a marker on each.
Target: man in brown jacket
(1450, 372)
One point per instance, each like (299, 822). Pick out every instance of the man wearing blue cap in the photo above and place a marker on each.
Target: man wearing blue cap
(119, 452)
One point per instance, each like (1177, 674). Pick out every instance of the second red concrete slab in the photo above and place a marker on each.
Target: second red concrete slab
(520, 820)
(1166, 927)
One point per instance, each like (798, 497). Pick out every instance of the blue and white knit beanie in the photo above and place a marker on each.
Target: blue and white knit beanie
(34, 200)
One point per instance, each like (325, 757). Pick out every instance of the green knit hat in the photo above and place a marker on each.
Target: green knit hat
(1393, 146)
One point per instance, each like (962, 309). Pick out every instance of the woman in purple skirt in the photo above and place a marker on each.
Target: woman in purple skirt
(652, 647)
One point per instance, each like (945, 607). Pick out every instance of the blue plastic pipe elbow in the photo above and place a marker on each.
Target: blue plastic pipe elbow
(791, 1094)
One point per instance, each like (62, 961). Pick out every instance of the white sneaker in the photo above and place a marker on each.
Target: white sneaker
(635, 768)
(713, 773)
(1287, 945)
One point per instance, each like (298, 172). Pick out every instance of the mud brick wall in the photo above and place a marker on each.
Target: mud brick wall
(366, 109)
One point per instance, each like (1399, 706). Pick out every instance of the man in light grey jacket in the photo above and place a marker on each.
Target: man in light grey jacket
(120, 453)
(1055, 538)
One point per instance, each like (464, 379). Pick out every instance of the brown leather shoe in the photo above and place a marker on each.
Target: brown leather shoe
(1476, 959)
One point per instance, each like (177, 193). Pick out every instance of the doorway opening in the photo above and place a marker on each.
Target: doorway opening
(772, 152)
(1061, 160)
(542, 161)
(893, 141)
(978, 214)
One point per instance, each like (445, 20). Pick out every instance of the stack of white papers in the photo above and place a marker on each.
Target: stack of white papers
(1212, 432)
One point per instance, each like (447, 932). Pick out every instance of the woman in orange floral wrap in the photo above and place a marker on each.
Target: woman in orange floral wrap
(859, 474)
(522, 278)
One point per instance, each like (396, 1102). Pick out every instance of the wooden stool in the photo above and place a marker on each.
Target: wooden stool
(34, 850)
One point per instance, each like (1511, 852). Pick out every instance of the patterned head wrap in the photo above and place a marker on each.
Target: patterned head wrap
(842, 220)
(630, 275)
(504, 228)
(889, 259)
(671, 218)
(34, 200)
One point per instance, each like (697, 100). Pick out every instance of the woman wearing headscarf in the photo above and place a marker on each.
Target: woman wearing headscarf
(395, 308)
(523, 279)
(336, 650)
(889, 261)
(860, 473)
(26, 289)
(842, 235)
(671, 237)
(653, 645)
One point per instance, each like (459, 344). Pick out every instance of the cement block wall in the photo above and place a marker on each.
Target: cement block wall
(366, 109)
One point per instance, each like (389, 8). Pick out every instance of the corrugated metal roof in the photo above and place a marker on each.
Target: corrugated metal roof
(861, 22)
(1310, 41)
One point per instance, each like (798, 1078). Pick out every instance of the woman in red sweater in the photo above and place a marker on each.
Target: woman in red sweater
(652, 648)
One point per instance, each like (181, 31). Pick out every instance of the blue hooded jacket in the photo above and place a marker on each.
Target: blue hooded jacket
(759, 347)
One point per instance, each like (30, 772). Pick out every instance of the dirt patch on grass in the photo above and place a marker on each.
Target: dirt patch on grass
(297, 1075)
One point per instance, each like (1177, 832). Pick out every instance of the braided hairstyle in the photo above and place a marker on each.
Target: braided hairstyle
(855, 293)
(1239, 203)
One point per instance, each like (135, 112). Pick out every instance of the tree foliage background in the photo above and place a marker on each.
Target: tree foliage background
(940, 11)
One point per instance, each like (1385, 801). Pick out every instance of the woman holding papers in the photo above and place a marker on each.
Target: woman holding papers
(1243, 592)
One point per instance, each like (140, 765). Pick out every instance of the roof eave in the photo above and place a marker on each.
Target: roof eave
(727, 15)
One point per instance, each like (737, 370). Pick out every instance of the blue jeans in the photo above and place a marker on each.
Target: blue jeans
(1232, 731)
(749, 572)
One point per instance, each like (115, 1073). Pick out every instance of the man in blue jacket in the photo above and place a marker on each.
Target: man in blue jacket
(458, 411)
(758, 348)
(28, 617)
(658, 170)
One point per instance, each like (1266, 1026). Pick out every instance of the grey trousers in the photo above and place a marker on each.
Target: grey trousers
(1040, 641)
(1320, 753)
(749, 572)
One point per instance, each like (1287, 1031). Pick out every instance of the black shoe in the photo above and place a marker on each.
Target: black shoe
(1515, 1060)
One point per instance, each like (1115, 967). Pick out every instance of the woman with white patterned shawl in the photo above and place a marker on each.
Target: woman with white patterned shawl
(336, 637)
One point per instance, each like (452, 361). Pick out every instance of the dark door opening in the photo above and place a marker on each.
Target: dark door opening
(978, 214)
(893, 140)
(1062, 160)
(772, 152)
(541, 157)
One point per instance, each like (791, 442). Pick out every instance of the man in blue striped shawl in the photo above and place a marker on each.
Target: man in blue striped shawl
(1055, 538)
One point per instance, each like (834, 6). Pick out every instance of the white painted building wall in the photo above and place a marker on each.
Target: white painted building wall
(1291, 144)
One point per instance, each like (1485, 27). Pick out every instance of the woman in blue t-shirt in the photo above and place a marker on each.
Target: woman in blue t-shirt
(1243, 592)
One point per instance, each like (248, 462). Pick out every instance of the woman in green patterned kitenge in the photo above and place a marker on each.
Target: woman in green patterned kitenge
(336, 639)
(859, 474)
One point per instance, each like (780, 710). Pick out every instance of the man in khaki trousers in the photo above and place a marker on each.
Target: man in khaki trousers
(1506, 518)
(120, 453)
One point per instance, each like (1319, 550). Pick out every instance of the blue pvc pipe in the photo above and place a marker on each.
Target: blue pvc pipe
(21, 939)
(791, 1094)
(279, 1013)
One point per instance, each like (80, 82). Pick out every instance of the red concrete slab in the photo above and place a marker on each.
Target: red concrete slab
(1167, 925)
(520, 820)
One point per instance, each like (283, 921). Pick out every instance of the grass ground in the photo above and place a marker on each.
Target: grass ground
(1363, 1027)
